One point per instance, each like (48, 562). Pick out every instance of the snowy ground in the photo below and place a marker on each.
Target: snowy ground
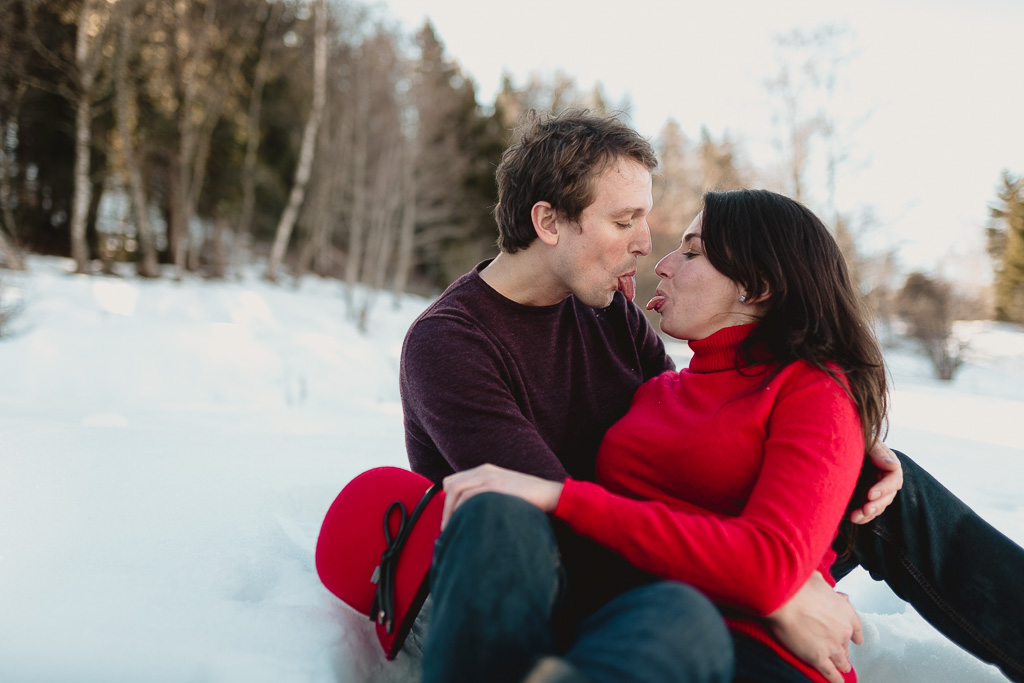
(168, 450)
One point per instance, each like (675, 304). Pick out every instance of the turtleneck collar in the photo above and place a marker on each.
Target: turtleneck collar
(718, 351)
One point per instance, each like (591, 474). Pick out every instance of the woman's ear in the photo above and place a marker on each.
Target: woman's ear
(764, 296)
(745, 297)
(545, 222)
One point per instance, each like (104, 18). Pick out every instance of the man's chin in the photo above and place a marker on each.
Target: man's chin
(606, 302)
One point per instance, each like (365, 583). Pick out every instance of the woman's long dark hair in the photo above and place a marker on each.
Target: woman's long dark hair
(772, 244)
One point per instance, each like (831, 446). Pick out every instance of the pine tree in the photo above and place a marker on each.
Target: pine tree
(1006, 246)
(450, 212)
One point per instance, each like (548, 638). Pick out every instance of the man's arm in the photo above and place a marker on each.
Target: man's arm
(884, 490)
(459, 405)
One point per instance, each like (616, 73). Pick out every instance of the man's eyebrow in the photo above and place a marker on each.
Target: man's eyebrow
(628, 210)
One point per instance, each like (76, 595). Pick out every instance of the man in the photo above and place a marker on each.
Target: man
(527, 360)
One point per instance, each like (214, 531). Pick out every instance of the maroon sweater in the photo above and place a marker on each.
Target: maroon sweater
(532, 388)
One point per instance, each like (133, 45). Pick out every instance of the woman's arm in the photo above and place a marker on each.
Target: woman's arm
(756, 560)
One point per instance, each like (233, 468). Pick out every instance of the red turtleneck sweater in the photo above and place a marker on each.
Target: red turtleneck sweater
(734, 488)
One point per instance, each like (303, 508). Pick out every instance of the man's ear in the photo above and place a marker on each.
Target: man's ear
(545, 222)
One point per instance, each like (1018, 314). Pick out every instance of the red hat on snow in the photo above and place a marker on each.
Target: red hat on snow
(376, 545)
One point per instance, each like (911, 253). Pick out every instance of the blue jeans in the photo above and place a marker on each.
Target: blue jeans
(960, 573)
(758, 663)
(504, 598)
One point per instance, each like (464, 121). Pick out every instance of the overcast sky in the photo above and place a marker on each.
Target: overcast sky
(931, 103)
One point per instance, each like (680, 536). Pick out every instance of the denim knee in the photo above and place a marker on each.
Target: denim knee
(491, 525)
(495, 578)
(695, 631)
(662, 632)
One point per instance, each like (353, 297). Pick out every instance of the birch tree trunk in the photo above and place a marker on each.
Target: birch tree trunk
(386, 202)
(407, 233)
(187, 127)
(321, 220)
(83, 140)
(357, 210)
(308, 149)
(12, 258)
(8, 248)
(124, 100)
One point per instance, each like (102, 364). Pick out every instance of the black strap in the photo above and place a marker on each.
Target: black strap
(383, 608)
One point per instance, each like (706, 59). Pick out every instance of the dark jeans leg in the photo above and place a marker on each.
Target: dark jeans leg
(495, 579)
(662, 632)
(758, 663)
(960, 573)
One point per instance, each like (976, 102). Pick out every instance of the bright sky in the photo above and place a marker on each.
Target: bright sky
(932, 103)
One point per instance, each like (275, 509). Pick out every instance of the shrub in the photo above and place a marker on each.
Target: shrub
(926, 305)
(8, 310)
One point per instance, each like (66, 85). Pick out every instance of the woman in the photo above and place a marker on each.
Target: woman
(733, 475)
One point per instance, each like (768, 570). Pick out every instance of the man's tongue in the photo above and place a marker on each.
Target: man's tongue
(627, 285)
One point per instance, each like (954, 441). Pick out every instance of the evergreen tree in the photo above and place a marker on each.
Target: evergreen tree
(452, 196)
(1006, 246)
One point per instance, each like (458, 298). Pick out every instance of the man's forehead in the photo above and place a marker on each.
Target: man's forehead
(624, 187)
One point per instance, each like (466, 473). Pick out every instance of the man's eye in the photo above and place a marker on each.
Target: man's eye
(624, 226)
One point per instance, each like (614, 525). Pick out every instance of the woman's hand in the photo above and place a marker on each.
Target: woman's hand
(462, 486)
(817, 625)
(884, 491)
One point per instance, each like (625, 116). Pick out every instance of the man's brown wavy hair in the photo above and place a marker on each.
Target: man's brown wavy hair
(556, 158)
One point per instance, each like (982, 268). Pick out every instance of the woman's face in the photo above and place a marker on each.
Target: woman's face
(694, 299)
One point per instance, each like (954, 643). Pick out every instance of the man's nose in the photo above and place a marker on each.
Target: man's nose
(643, 244)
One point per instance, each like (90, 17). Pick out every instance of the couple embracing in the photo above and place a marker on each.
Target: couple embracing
(608, 518)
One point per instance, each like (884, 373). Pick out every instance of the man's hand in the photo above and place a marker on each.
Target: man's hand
(817, 625)
(882, 493)
(462, 486)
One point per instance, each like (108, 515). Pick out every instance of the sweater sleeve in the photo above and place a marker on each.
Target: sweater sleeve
(757, 560)
(459, 406)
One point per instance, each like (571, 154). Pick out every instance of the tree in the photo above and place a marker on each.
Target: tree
(815, 142)
(926, 305)
(243, 226)
(12, 90)
(804, 92)
(684, 173)
(718, 168)
(7, 310)
(82, 84)
(1006, 247)
(308, 147)
(37, 92)
(196, 77)
(380, 177)
(450, 225)
(93, 27)
(126, 113)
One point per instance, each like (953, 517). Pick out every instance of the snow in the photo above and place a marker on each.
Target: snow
(168, 450)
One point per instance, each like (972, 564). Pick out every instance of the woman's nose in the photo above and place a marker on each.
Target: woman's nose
(665, 268)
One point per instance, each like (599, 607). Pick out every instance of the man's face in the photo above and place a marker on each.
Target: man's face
(593, 256)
